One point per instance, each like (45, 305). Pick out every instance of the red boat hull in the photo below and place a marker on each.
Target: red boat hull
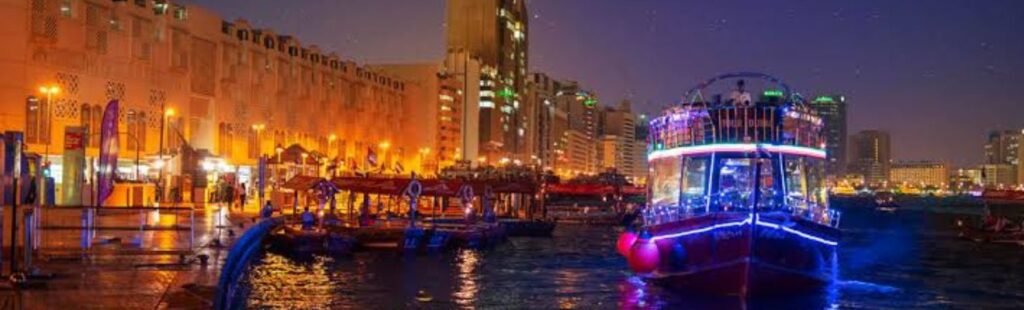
(742, 254)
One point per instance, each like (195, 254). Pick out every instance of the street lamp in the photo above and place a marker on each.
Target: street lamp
(49, 91)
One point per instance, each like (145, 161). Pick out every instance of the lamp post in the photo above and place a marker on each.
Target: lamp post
(49, 91)
(168, 113)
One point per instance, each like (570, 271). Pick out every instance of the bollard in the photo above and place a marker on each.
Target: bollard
(2, 234)
(36, 219)
(28, 228)
(86, 229)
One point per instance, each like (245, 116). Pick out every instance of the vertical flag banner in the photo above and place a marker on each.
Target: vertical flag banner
(108, 152)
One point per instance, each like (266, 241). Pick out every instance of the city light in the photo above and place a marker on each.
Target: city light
(169, 112)
(384, 145)
(49, 90)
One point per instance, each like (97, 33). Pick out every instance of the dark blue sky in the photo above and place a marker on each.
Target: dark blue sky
(937, 74)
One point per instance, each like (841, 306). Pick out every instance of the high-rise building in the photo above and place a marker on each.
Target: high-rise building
(998, 175)
(619, 145)
(465, 71)
(832, 110)
(434, 122)
(1007, 148)
(580, 138)
(919, 174)
(495, 32)
(870, 155)
(965, 179)
(541, 136)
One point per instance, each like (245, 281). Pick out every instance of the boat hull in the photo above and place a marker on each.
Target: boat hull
(742, 254)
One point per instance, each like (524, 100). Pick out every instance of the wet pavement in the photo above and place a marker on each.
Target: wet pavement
(128, 268)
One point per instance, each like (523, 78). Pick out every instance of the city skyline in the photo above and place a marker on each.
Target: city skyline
(950, 59)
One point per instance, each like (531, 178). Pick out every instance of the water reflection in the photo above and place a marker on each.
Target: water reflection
(466, 262)
(902, 261)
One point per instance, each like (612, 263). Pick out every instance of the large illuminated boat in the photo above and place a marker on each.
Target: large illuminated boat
(737, 201)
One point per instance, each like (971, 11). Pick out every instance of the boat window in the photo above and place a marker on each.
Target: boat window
(694, 184)
(735, 183)
(796, 183)
(665, 185)
(816, 192)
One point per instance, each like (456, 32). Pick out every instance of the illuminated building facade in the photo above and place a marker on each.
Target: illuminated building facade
(919, 174)
(232, 88)
(496, 32)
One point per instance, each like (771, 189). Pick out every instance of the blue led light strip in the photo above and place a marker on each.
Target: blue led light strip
(747, 221)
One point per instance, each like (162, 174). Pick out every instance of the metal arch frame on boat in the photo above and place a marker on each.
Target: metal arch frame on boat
(747, 221)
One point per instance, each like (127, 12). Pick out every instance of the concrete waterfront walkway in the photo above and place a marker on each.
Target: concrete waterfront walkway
(149, 276)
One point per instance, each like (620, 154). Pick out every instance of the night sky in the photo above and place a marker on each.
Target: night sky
(939, 75)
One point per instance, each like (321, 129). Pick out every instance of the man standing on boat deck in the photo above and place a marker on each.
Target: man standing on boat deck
(268, 210)
(308, 219)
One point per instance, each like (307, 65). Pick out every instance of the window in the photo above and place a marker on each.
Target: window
(180, 12)
(140, 3)
(97, 118)
(34, 120)
(159, 7)
(66, 8)
(665, 185)
(254, 143)
(136, 131)
(693, 188)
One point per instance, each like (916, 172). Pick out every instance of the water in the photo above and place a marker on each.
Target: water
(910, 259)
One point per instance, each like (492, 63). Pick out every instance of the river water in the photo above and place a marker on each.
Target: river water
(908, 259)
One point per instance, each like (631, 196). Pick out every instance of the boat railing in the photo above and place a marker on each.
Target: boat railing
(762, 123)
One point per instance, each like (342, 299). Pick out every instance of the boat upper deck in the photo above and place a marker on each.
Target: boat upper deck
(704, 127)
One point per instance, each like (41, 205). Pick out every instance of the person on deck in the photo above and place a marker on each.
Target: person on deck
(268, 210)
(308, 219)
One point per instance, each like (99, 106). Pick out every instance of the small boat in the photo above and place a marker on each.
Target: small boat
(886, 202)
(1003, 222)
(292, 239)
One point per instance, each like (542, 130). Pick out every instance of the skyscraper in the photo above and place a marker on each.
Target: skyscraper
(832, 110)
(495, 31)
(871, 155)
(1007, 148)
